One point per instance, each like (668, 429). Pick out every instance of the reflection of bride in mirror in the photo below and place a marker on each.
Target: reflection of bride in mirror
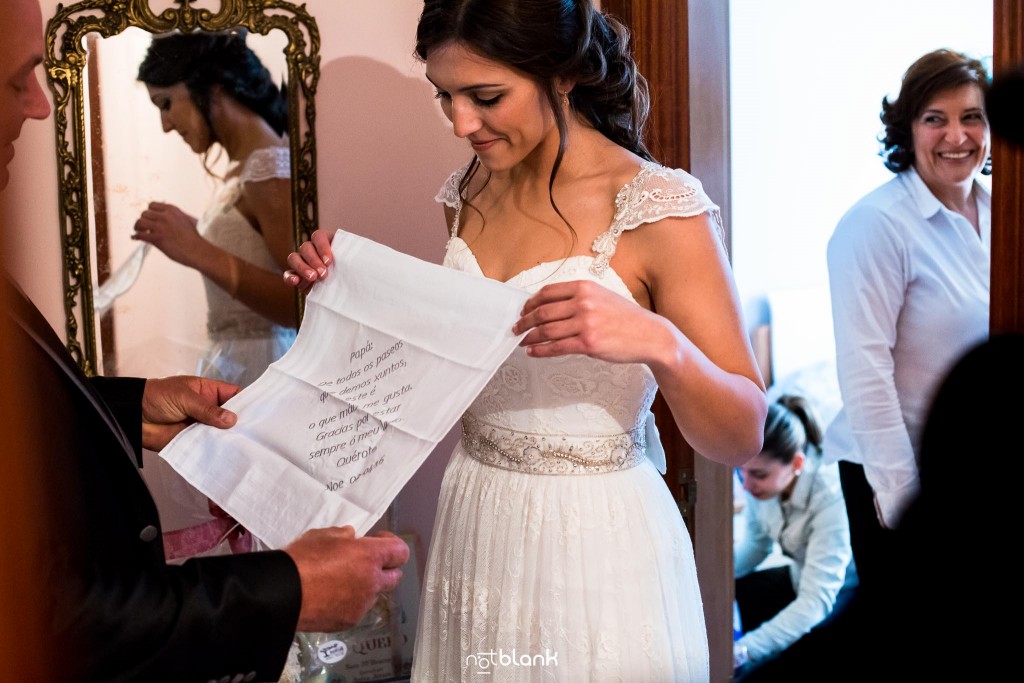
(213, 91)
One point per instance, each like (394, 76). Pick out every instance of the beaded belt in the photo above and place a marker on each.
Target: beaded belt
(551, 454)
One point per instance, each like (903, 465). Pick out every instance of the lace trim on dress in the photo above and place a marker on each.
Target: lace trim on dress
(266, 164)
(540, 454)
(449, 196)
(655, 192)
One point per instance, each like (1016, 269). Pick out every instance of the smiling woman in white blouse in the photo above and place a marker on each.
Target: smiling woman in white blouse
(909, 276)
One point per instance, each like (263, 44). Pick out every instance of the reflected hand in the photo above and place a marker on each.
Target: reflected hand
(170, 230)
(586, 318)
(342, 575)
(173, 403)
(309, 262)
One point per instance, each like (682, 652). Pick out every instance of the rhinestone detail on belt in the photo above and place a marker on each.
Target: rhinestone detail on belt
(551, 454)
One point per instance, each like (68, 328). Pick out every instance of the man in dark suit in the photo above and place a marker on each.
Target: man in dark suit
(111, 608)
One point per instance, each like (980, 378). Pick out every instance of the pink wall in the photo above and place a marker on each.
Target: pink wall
(384, 149)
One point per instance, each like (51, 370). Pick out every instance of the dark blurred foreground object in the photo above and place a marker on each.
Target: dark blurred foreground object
(934, 616)
(1004, 105)
(22, 635)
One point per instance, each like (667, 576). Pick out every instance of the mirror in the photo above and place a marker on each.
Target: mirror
(114, 158)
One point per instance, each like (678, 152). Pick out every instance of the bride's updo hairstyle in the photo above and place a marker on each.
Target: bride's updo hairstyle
(548, 40)
(202, 60)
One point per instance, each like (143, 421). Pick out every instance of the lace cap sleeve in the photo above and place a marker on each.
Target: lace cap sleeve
(655, 192)
(266, 164)
(449, 195)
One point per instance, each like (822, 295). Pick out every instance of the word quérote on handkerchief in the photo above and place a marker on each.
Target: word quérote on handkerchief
(390, 353)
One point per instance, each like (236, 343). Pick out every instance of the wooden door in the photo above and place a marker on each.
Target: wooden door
(1007, 304)
(687, 70)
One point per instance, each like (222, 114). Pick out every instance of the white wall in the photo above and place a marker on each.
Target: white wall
(807, 81)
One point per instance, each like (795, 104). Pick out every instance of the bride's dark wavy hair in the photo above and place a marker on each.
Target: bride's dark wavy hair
(202, 60)
(550, 40)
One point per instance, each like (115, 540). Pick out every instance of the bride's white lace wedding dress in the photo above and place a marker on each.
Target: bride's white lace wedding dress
(558, 553)
(242, 342)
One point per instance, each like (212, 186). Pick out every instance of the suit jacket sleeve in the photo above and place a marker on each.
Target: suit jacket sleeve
(209, 618)
(115, 611)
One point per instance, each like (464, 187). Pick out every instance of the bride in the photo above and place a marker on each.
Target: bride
(214, 92)
(558, 553)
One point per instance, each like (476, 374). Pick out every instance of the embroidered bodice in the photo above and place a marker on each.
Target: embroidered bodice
(223, 225)
(577, 395)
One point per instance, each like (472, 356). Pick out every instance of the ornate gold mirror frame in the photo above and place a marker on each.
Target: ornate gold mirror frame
(65, 63)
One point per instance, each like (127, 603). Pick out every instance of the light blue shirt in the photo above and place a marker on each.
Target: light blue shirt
(811, 528)
(909, 281)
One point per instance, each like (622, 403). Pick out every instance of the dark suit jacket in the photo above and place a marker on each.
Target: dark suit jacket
(118, 610)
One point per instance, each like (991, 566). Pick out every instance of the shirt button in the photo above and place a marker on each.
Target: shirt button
(149, 533)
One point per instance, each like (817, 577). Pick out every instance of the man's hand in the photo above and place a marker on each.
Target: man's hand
(342, 575)
(173, 403)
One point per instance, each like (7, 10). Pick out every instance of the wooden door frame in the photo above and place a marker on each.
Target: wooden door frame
(1007, 304)
(682, 49)
(710, 161)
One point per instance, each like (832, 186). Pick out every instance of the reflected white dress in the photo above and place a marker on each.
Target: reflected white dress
(242, 342)
(558, 553)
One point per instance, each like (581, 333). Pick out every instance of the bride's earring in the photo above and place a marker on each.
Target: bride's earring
(565, 99)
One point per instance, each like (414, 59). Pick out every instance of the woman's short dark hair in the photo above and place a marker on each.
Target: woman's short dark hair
(930, 75)
(792, 424)
(202, 60)
(549, 40)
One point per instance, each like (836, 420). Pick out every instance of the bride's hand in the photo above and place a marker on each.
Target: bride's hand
(172, 231)
(585, 318)
(309, 263)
